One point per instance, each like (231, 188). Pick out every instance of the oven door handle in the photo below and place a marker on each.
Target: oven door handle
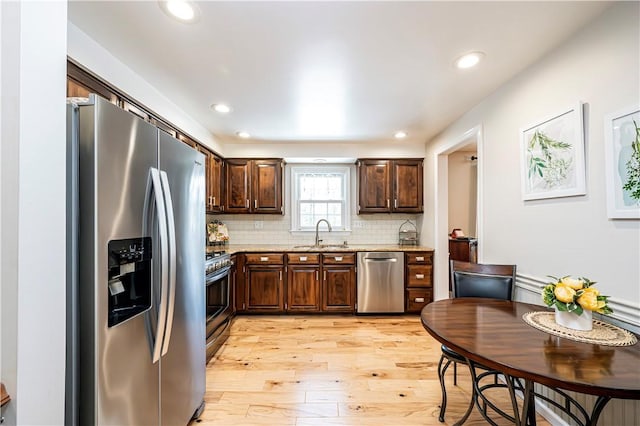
(220, 273)
(218, 332)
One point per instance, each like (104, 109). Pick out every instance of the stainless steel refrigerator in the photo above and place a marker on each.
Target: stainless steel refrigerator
(136, 241)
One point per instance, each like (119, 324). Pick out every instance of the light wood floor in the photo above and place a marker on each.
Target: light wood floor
(332, 370)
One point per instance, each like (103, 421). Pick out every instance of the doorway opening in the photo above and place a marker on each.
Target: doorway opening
(459, 200)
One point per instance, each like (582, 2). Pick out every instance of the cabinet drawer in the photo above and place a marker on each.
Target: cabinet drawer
(419, 276)
(420, 258)
(417, 299)
(264, 259)
(338, 258)
(303, 258)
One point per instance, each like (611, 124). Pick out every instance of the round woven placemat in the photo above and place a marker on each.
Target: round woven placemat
(601, 334)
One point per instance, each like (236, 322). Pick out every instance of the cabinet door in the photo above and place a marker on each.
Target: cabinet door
(80, 84)
(265, 289)
(237, 178)
(374, 186)
(338, 289)
(266, 186)
(240, 283)
(407, 186)
(215, 182)
(188, 141)
(207, 174)
(303, 288)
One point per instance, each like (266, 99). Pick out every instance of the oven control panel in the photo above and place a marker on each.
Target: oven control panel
(216, 263)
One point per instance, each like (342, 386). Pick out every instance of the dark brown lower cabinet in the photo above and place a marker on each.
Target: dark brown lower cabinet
(338, 290)
(265, 288)
(303, 288)
(418, 280)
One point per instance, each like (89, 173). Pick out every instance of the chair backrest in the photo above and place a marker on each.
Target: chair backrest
(481, 280)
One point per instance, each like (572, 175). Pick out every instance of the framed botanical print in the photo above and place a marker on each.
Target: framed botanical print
(622, 156)
(552, 156)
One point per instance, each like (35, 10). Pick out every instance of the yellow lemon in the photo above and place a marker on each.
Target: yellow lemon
(564, 293)
(574, 283)
(589, 299)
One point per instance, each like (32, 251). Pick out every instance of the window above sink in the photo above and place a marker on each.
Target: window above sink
(320, 192)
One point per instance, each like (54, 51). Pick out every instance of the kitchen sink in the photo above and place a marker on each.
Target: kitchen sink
(321, 246)
(334, 246)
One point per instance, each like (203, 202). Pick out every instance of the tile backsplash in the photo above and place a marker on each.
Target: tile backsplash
(275, 229)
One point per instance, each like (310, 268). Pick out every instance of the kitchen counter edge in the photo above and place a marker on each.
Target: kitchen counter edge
(281, 248)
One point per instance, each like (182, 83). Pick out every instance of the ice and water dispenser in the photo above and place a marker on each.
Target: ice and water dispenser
(129, 284)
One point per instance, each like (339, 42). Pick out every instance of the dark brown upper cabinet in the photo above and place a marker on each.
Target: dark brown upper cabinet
(213, 180)
(390, 186)
(253, 185)
(80, 84)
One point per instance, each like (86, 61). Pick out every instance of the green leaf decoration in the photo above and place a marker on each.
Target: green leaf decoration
(633, 167)
(561, 306)
(549, 167)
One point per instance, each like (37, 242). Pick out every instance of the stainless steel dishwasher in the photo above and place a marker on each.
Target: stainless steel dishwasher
(380, 282)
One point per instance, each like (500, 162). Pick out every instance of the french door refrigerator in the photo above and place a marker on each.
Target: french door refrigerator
(136, 250)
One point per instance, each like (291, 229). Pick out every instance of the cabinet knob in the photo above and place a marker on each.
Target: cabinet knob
(264, 258)
(419, 276)
(338, 258)
(419, 300)
(303, 258)
(419, 258)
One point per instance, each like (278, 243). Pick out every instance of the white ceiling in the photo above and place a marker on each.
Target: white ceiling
(319, 71)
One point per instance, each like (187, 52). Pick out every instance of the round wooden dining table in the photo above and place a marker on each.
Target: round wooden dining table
(493, 334)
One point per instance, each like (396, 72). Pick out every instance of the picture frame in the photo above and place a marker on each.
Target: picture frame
(552, 156)
(622, 161)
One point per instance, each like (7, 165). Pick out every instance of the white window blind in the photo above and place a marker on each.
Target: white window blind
(320, 192)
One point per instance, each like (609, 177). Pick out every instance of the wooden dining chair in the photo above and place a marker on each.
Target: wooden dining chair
(473, 280)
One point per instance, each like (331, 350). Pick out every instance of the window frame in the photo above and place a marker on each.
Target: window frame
(297, 170)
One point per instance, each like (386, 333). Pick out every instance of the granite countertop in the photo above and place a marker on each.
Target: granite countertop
(274, 248)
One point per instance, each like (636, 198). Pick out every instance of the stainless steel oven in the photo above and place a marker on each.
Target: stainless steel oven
(218, 300)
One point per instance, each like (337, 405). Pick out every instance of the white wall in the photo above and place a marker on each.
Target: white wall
(33, 181)
(101, 62)
(462, 192)
(599, 66)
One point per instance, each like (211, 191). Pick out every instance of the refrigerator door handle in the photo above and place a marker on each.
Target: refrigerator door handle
(171, 301)
(157, 192)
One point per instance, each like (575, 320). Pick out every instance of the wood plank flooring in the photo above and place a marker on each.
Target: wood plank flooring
(332, 370)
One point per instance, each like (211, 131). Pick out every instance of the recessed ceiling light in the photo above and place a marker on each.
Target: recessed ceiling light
(221, 108)
(243, 135)
(469, 60)
(400, 134)
(183, 10)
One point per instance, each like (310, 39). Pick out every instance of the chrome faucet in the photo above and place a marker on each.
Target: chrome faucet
(318, 224)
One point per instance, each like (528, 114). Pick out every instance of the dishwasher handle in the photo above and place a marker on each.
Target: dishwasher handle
(381, 259)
